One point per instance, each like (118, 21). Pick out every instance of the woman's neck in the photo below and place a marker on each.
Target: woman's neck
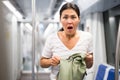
(70, 36)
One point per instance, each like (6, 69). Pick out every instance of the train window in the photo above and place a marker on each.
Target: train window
(111, 24)
(26, 45)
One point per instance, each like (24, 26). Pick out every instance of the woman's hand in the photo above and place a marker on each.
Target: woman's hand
(55, 60)
(89, 60)
(47, 62)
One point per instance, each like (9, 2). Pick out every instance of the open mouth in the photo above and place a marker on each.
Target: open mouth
(70, 27)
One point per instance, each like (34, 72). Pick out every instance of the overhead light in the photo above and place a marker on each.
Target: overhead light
(28, 26)
(13, 9)
(68, 0)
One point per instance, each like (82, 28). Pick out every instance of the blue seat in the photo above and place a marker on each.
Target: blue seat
(105, 72)
(101, 72)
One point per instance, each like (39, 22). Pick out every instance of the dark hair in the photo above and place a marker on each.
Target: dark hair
(70, 6)
(61, 29)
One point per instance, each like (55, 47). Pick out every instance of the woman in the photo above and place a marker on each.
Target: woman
(67, 41)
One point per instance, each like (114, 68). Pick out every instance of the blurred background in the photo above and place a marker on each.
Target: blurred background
(26, 24)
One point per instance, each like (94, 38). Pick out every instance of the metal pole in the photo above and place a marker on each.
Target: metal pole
(117, 55)
(33, 39)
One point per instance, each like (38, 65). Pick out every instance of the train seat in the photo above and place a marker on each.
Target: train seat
(105, 72)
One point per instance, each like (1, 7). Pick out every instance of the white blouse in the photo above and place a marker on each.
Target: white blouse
(55, 47)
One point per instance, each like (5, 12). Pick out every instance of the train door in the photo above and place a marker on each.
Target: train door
(112, 32)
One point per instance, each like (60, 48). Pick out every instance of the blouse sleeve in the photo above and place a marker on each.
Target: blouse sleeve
(47, 52)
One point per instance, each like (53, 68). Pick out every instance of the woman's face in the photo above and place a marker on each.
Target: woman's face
(70, 21)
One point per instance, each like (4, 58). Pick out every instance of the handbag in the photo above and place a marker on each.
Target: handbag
(73, 68)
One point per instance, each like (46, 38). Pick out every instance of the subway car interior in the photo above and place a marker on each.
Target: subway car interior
(26, 24)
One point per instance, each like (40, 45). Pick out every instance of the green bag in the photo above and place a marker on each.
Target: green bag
(73, 68)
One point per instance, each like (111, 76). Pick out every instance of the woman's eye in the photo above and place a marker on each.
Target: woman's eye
(65, 17)
(73, 17)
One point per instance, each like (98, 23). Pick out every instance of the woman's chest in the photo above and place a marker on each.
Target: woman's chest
(60, 49)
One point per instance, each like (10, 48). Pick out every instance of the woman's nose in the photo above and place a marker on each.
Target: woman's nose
(69, 20)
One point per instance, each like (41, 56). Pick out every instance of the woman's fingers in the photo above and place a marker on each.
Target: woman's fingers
(55, 60)
(89, 60)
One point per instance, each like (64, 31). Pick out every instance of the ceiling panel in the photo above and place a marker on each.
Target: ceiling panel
(44, 8)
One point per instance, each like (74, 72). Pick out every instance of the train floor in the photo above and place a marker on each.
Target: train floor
(38, 76)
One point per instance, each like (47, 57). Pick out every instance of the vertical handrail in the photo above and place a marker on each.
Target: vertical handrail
(117, 55)
(33, 39)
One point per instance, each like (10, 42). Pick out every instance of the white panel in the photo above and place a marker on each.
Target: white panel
(8, 44)
(84, 4)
